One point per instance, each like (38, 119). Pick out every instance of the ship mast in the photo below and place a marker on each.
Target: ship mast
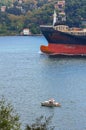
(54, 17)
(61, 13)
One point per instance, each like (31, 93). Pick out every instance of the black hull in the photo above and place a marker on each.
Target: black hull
(57, 37)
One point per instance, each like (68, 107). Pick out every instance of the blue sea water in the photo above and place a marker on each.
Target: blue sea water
(27, 78)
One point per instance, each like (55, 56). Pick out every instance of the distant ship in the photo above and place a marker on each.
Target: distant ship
(63, 40)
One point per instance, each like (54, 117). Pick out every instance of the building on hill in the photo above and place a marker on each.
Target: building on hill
(20, 1)
(60, 5)
(3, 8)
(26, 32)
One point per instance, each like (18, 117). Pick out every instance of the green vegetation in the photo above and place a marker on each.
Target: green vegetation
(41, 124)
(76, 12)
(9, 120)
(31, 13)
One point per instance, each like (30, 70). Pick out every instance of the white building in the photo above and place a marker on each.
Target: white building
(3, 8)
(26, 31)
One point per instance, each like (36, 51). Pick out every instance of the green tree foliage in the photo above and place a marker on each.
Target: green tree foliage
(41, 123)
(14, 11)
(37, 12)
(8, 119)
(4, 19)
(76, 11)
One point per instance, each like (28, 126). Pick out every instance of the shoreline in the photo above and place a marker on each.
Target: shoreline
(22, 35)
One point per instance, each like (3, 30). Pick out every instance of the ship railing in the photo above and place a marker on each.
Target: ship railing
(78, 33)
(46, 26)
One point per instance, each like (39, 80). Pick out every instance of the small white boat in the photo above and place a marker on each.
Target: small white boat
(50, 103)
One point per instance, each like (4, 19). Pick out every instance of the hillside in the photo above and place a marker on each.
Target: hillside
(76, 12)
(31, 13)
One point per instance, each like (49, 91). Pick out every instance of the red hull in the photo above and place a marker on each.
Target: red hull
(64, 49)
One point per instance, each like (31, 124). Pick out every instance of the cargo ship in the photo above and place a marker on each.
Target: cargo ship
(62, 39)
